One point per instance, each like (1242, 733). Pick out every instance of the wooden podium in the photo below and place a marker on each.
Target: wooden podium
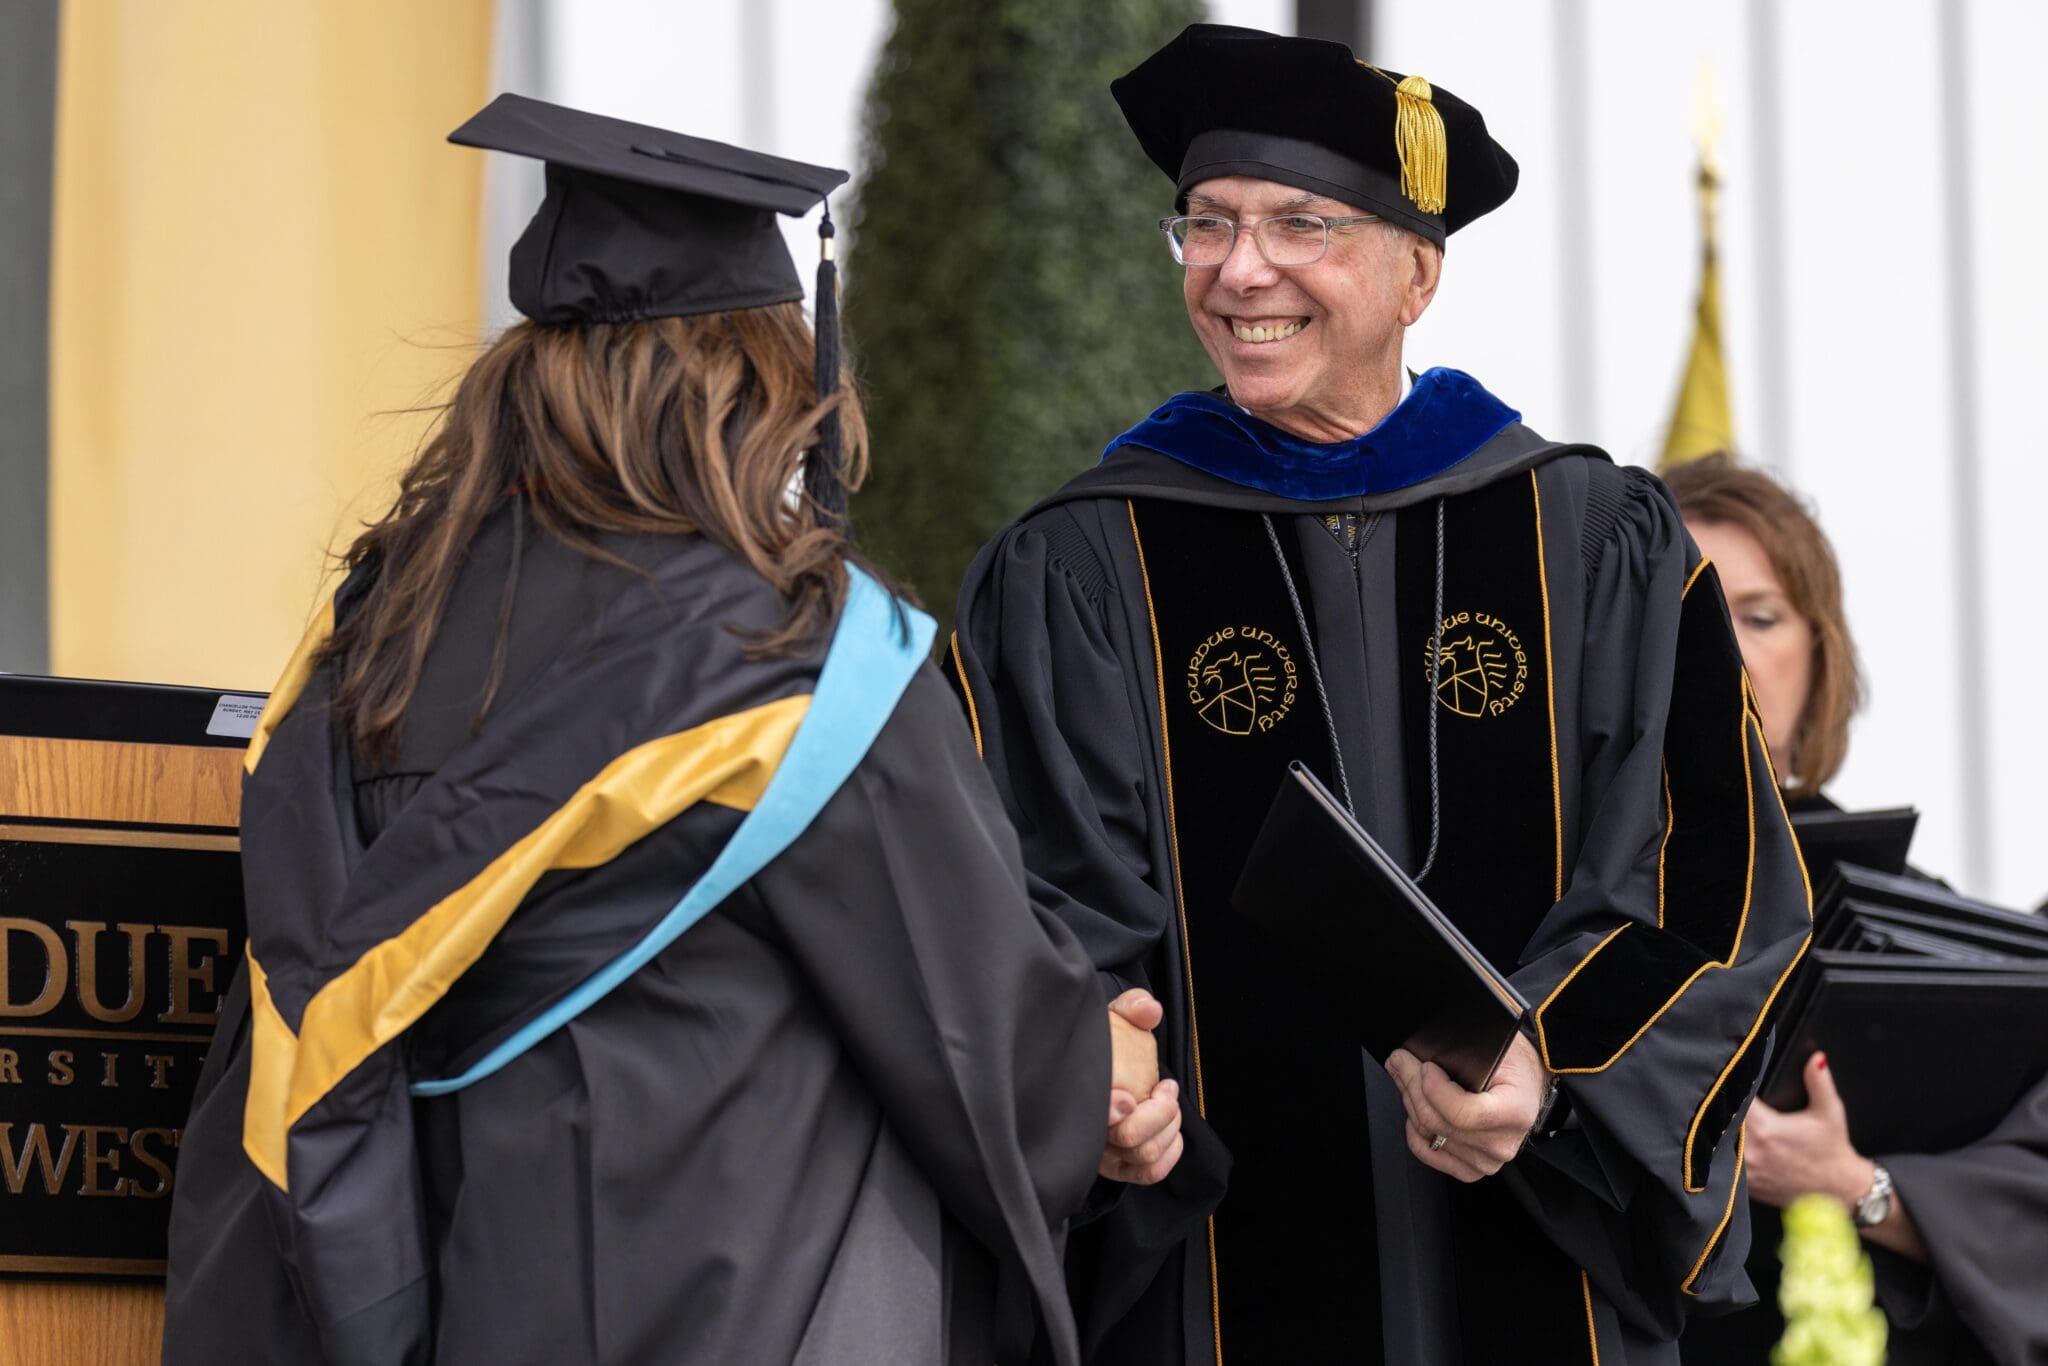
(105, 989)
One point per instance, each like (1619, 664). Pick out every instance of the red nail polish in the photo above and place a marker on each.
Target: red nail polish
(1821, 1061)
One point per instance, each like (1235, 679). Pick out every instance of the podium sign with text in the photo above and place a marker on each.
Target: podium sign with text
(117, 943)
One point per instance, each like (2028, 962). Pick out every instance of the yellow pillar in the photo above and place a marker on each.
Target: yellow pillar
(263, 249)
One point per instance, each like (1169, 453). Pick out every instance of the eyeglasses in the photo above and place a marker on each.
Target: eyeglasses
(1288, 239)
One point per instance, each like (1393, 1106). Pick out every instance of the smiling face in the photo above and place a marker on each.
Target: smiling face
(1315, 350)
(1776, 641)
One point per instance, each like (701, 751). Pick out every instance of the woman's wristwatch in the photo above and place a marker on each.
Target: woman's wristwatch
(1876, 1204)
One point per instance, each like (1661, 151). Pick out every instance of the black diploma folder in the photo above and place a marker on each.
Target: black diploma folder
(1391, 960)
(1931, 1007)
(1868, 839)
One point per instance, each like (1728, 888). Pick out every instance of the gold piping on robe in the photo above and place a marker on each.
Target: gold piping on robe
(1694, 577)
(1734, 1190)
(1664, 845)
(1756, 1026)
(1173, 841)
(1592, 1329)
(1805, 878)
(1550, 690)
(967, 691)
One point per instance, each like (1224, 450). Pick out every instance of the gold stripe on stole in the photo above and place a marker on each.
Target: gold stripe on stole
(727, 762)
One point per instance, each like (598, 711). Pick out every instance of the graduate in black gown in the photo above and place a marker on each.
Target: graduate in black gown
(1506, 655)
(640, 963)
(1958, 1240)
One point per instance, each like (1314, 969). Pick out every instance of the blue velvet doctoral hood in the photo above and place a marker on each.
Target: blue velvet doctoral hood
(1446, 417)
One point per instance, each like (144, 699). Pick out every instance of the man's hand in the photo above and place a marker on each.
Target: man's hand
(1143, 1141)
(1790, 1155)
(1482, 1130)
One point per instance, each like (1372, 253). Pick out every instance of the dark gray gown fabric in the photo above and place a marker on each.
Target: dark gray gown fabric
(1053, 643)
(844, 1118)
(1983, 1213)
(1982, 1297)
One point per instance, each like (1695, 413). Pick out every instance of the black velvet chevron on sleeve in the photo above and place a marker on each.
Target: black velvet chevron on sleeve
(1704, 875)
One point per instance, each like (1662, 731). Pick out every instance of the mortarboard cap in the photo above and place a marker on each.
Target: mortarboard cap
(640, 222)
(1219, 101)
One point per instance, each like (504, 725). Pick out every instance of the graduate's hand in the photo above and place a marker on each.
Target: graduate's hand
(1795, 1154)
(1145, 1142)
(1134, 1053)
(1483, 1130)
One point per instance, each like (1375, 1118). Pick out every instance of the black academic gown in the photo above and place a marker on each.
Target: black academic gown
(1095, 641)
(1982, 1211)
(842, 1118)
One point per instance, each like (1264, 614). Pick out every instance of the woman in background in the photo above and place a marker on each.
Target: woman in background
(1959, 1240)
(1784, 593)
(640, 963)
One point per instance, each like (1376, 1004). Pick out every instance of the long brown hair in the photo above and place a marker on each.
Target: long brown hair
(1715, 489)
(665, 425)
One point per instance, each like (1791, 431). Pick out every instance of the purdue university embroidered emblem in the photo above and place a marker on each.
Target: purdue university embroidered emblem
(1480, 667)
(1241, 679)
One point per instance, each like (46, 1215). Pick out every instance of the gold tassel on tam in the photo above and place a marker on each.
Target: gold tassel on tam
(1420, 140)
(1425, 151)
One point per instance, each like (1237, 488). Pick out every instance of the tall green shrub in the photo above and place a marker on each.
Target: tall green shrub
(1010, 304)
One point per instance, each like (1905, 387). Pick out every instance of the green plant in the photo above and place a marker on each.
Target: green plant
(1008, 299)
(1826, 1290)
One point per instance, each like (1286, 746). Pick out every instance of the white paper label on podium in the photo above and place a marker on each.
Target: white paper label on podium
(235, 716)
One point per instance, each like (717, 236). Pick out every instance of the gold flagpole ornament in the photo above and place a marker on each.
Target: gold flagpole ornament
(1701, 420)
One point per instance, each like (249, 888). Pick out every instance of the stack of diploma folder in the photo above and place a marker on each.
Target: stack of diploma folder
(1932, 1010)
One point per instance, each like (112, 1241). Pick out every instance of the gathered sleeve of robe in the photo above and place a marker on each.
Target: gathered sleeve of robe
(1063, 726)
(971, 1015)
(1982, 1210)
(1064, 732)
(1684, 910)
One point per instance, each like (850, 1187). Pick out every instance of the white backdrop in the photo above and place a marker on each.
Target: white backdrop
(1574, 301)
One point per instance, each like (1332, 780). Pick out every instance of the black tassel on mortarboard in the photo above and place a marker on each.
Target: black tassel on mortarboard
(824, 478)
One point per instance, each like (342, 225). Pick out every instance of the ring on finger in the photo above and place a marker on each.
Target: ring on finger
(1436, 1144)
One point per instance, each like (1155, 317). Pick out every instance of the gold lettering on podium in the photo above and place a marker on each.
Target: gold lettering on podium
(56, 966)
(86, 933)
(184, 973)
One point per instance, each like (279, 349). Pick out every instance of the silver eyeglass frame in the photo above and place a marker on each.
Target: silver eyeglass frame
(1258, 239)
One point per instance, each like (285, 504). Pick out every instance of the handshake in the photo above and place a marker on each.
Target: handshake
(1144, 1139)
(1464, 1134)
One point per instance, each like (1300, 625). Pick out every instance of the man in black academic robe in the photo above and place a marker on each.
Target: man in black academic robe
(1506, 656)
